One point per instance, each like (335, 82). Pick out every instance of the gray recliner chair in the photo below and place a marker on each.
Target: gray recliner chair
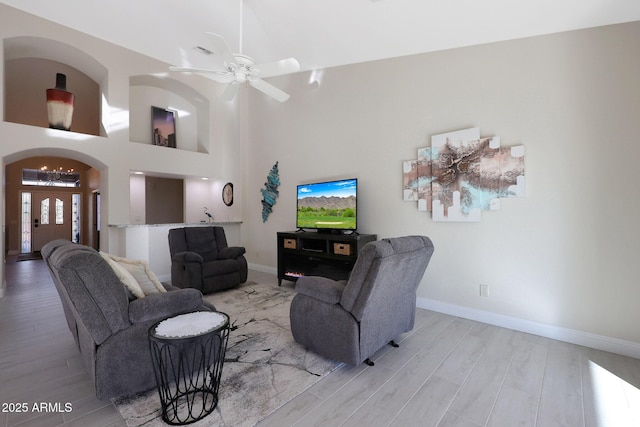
(201, 259)
(350, 320)
(110, 329)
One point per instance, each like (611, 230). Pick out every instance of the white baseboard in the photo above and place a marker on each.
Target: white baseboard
(587, 339)
(600, 342)
(263, 268)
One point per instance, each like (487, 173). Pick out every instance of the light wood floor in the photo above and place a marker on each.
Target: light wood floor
(39, 360)
(447, 372)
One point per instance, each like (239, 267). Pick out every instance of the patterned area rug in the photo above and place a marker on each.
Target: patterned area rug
(264, 367)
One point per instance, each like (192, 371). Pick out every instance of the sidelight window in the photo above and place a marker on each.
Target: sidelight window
(25, 216)
(59, 212)
(44, 211)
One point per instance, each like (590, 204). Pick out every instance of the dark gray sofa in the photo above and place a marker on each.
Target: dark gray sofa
(202, 259)
(350, 320)
(109, 329)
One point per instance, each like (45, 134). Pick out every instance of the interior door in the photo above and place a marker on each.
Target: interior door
(51, 217)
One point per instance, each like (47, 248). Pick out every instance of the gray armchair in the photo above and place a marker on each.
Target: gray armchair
(201, 259)
(350, 320)
(111, 330)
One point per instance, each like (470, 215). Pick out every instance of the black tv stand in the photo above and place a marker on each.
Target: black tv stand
(305, 253)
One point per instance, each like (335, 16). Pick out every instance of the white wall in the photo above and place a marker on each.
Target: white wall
(115, 155)
(137, 205)
(208, 194)
(564, 255)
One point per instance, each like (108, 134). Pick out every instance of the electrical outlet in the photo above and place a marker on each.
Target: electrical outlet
(484, 290)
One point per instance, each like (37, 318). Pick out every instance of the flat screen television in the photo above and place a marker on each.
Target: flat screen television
(328, 206)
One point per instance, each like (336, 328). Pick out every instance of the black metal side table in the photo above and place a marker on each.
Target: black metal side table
(188, 354)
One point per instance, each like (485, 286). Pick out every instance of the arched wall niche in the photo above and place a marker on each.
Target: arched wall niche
(191, 108)
(31, 64)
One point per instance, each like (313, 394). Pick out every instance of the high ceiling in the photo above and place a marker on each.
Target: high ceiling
(322, 33)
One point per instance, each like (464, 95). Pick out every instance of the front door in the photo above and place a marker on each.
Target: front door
(51, 217)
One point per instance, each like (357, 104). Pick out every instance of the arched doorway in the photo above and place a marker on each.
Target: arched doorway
(48, 197)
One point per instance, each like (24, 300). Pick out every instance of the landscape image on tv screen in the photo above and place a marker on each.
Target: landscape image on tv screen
(327, 205)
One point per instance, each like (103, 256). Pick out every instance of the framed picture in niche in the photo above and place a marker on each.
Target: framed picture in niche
(163, 127)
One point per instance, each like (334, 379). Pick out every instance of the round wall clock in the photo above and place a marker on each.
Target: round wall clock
(227, 194)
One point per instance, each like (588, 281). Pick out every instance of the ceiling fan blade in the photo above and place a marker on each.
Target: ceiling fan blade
(230, 91)
(220, 47)
(277, 68)
(217, 75)
(269, 89)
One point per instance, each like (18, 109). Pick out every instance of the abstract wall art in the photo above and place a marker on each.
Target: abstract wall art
(410, 180)
(425, 178)
(462, 174)
(270, 192)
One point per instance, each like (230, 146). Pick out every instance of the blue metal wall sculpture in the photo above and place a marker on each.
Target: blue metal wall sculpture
(270, 192)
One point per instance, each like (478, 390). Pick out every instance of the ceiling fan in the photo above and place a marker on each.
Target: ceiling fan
(239, 68)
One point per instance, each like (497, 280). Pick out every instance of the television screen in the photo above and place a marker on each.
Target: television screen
(328, 205)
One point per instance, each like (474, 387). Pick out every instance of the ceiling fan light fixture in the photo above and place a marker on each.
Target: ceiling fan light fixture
(239, 68)
(241, 76)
